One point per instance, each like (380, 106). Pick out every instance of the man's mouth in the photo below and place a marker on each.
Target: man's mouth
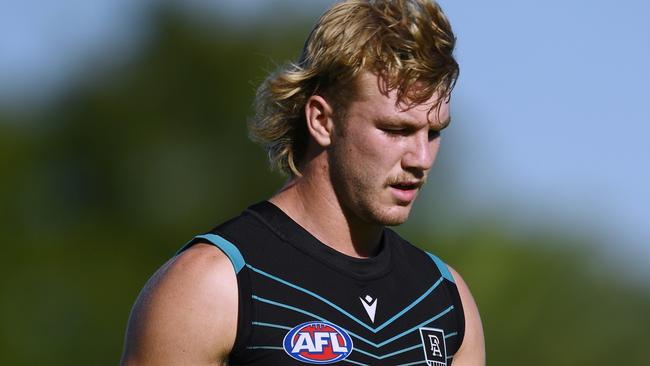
(406, 186)
(405, 191)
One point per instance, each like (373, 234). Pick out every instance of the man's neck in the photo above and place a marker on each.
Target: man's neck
(311, 203)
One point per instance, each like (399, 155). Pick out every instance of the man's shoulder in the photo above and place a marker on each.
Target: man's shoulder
(166, 325)
(197, 271)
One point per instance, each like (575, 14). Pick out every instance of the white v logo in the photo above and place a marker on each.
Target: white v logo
(370, 305)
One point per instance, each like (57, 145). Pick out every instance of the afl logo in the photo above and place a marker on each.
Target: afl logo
(317, 342)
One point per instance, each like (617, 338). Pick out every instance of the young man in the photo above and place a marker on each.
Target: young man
(313, 276)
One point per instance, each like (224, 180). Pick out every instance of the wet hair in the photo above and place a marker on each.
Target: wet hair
(404, 42)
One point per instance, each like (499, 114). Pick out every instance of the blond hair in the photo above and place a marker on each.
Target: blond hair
(403, 41)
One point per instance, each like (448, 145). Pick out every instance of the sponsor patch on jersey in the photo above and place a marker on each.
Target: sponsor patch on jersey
(317, 342)
(433, 343)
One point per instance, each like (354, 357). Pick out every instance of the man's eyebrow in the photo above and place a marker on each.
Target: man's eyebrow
(396, 121)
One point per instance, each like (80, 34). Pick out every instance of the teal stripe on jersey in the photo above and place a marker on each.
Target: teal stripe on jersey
(261, 324)
(451, 335)
(341, 310)
(442, 267)
(376, 345)
(227, 247)
(356, 349)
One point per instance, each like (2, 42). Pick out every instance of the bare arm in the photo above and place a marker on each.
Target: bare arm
(187, 312)
(472, 351)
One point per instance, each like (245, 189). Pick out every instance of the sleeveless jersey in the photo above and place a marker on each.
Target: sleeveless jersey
(302, 302)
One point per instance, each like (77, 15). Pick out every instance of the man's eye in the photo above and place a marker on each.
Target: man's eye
(396, 131)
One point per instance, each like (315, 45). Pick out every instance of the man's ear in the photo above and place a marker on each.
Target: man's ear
(319, 116)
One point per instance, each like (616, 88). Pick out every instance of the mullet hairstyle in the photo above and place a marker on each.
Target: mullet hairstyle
(407, 43)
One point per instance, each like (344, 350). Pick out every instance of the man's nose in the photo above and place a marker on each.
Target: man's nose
(421, 152)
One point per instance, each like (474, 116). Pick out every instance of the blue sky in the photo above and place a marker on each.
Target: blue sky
(44, 43)
(557, 92)
(550, 116)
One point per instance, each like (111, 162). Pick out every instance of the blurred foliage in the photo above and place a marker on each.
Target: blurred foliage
(101, 190)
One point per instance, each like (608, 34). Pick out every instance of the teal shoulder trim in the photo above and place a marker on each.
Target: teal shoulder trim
(227, 247)
(442, 267)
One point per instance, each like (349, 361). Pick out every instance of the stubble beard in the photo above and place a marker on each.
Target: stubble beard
(360, 201)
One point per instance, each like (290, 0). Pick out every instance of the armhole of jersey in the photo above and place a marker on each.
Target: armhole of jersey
(228, 248)
(442, 267)
(455, 295)
(243, 286)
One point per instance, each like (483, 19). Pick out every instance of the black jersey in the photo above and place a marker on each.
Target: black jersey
(302, 302)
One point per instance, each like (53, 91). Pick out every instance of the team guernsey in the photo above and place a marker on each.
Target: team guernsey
(301, 302)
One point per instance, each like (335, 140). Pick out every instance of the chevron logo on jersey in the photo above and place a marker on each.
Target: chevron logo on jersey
(318, 343)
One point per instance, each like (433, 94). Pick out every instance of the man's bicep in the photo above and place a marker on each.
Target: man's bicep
(187, 312)
(472, 350)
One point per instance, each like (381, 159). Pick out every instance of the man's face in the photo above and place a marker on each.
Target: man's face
(381, 153)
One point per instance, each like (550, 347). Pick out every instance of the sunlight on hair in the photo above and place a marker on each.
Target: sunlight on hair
(408, 43)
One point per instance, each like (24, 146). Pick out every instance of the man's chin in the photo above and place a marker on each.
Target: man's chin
(394, 222)
(395, 216)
